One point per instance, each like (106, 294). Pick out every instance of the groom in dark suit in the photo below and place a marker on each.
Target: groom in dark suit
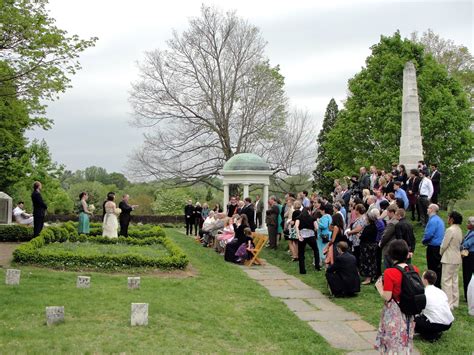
(124, 218)
(39, 208)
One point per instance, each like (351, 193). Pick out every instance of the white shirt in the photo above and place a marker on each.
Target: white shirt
(306, 202)
(426, 187)
(437, 306)
(17, 212)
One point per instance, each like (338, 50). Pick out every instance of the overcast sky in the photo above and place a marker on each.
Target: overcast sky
(319, 45)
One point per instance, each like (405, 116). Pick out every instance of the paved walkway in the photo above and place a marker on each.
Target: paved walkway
(342, 329)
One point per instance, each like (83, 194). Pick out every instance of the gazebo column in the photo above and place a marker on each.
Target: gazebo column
(226, 196)
(246, 190)
(265, 205)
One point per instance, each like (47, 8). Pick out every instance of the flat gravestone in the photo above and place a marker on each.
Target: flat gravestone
(83, 282)
(54, 315)
(139, 314)
(13, 277)
(133, 283)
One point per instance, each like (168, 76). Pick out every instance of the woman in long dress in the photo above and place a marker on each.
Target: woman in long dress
(83, 227)
(395, 333)
(110, 223)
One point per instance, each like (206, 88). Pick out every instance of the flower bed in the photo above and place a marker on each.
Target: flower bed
(62, 247)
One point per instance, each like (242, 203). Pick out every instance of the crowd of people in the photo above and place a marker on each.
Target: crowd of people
(361, 235)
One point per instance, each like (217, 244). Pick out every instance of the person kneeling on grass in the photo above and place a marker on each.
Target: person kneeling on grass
(342, 276)
(243, 253)
(436, 317)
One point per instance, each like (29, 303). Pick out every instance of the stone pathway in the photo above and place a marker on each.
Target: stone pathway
(341, 329)
(6, 253)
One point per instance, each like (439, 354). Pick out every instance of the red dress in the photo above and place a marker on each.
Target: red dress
(395, 333)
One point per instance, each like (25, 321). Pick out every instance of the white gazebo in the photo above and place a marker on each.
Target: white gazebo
(247, 169)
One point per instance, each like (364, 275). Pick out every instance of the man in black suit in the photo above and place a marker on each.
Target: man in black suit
(364, 179)
(189, 217)
(271, 220)
(436, 181)
(39, 208)
(404, 230)
(249, 212)
(124, 218)
(232, 206)
(342, 276)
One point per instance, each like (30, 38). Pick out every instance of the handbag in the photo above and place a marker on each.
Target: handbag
(292, 235)
(464, 253)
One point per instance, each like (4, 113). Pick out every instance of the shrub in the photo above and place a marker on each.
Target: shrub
(30, 253)
(15, 233)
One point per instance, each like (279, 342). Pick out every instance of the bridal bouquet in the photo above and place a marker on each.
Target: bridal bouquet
(118, 211)
(91, 208)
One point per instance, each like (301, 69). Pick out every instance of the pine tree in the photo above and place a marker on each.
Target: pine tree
(324, 165)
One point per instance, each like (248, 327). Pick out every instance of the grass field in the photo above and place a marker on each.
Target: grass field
(220, 310)
(368, 304)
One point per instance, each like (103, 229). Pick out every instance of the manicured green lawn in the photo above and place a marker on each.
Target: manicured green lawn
(92, 249)
(458, 340)
(220, 310)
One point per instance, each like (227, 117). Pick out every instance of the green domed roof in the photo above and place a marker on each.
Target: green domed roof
(245, 161)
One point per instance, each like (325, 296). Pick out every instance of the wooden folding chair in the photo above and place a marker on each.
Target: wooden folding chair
(259, 240)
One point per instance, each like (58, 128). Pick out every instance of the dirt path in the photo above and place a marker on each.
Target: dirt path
(6, 253)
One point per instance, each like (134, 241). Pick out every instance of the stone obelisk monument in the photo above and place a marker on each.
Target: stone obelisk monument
(411, 148)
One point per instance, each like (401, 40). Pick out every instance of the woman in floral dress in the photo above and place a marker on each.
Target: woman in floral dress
(395, 333)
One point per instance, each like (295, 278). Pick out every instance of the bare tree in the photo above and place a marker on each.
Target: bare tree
(293, 153)
(210, 95)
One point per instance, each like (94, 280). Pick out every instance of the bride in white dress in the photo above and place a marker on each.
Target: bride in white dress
(110, 223)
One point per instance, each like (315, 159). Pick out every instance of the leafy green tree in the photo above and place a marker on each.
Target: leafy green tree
(96, 173)
(14, 121)
(367, 130)
(118, 180)
(41, 56)
(322, 180)
(170, 201)
(40, 167)
(36, 61)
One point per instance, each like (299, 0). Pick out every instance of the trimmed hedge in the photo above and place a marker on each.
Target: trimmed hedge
(15, 233)
(136, 231)
(31, 253)
(19, 233)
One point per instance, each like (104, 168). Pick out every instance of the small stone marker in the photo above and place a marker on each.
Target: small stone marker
(83, 282)
(13, 277)
(54, 315)
(139, 314)
(133, 283)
